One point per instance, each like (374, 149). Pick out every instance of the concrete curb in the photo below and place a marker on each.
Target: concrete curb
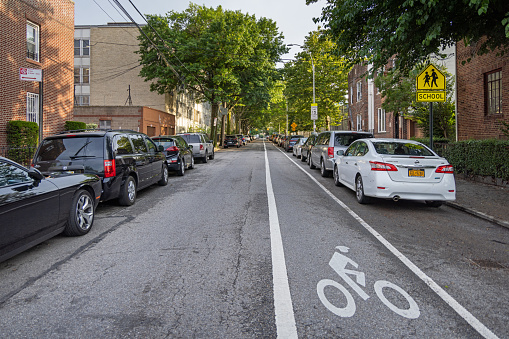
(478, 214)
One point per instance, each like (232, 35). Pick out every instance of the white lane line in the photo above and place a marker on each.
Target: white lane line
(285, 318)
(463, 312)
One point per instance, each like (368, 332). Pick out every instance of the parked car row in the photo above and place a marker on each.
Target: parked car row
(378, 168)
(72, 171)
(236, 140)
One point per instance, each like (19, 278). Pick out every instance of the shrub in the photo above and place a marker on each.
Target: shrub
(91, 126)
(74, 125)
(480, 157)
(22, 138)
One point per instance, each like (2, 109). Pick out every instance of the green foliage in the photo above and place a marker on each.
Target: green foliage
(91, 126)
(374, 31)
(505, 128)
(22, 138)
(331, 83)
(399, 92)
(74, 125)
(480, 157)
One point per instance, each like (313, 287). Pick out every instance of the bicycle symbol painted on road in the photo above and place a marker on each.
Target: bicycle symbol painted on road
(339, 262)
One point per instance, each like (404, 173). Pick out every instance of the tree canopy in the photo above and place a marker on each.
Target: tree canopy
(374, 31)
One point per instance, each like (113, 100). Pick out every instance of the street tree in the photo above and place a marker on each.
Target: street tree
(331, 83)
(374, 31)
(399, 94)
(221, 55)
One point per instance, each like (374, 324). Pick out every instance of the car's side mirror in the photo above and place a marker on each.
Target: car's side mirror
(340, 152)
(35, 174)
(191, 147)
(160, 148)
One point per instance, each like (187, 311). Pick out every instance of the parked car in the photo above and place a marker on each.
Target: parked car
(323, 153)
(126, 161)
(34, 208)
(306, 148)
(395, 169)
(290, 141)
(231, 140)
(297, 148)
(203, 147)
(179, 155)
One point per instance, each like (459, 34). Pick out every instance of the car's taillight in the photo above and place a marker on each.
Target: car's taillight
(201, 147)
(382, 166)
(109, 168)
(330, 152)
(445, 169)
(172, 149)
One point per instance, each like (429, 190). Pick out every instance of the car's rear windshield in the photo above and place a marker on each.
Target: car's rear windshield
(191, 138)
(71, 148)
(165, 142)
(230, 137)
(400, 148)
(347, 139)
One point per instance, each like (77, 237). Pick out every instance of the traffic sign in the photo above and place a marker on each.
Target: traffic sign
(431, 96)
(314, 111)
(30, 74)
(294, 125)
(431, 78)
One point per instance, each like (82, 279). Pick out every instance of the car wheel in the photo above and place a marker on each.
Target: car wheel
(182, 168)
(212, 156)
(205, 159)
(336, 177)
(324, 172)
(238, 146)
(310, 162)
(81, 217)
(302, 158)
(128, 192)
(164, 176)
(432, 203)
(359, 191)
(191, 166)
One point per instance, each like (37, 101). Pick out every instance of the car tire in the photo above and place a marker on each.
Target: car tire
(191, 166)
(128, 192)
(81, 216)
(323, 172)
(211, 157)
(164, 176)
(205, 159)
(310, 162)
(238, 146)
(302, 158)
(336, 177)
(182, 168)
(359, 191)
(433, 203)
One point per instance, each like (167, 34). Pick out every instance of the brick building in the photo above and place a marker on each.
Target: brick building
(37, 35)
(106, 73)
(483, 83)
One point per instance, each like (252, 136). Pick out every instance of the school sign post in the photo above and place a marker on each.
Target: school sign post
(430, 85)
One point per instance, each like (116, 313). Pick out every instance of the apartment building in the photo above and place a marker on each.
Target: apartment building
(36, 35)
(106, 74)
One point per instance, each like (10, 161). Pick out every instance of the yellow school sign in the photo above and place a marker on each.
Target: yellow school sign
(430, 85)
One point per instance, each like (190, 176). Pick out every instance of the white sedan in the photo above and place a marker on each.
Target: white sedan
(395, 169)
(297, 148)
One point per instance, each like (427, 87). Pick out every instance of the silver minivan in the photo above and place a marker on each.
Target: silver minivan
(203, 148)
(323, 153)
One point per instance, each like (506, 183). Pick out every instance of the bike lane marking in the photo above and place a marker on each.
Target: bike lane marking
(457, 307)
(283, 308)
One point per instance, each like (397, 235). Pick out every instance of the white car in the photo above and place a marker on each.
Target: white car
(395, 169)
(297, 148)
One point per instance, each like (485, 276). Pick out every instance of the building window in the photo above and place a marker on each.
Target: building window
(359, 122)
(81, 47)
(493, 90)
(351, 94)
(82, 75)
(82, 100)
(33, 107)
(359, 91)
(381, 120)
(105, 124)
(32, 41)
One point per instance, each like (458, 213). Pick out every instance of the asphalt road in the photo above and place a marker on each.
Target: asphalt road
(228, 251)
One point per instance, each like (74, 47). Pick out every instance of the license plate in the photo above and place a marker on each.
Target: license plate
(416, 173)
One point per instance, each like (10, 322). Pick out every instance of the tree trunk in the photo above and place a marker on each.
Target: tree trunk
(213, 129)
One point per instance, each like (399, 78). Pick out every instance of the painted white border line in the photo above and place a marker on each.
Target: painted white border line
(462, 312)
(285, 318)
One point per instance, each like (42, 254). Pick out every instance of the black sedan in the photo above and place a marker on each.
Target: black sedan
(34, 208)
(179, 154)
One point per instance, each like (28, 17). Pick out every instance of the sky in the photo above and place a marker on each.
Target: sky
(293, 17)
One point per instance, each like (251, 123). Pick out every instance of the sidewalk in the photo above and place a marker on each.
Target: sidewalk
(485, 201)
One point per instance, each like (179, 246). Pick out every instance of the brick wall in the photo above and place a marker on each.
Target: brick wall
(473, 121)
(56, 21)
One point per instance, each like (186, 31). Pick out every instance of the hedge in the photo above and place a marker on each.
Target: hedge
(74, 125)
(480, 157)
(22, 138)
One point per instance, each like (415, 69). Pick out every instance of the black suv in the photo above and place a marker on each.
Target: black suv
(126, 161)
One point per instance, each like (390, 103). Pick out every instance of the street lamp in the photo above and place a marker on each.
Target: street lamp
(313, 67)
